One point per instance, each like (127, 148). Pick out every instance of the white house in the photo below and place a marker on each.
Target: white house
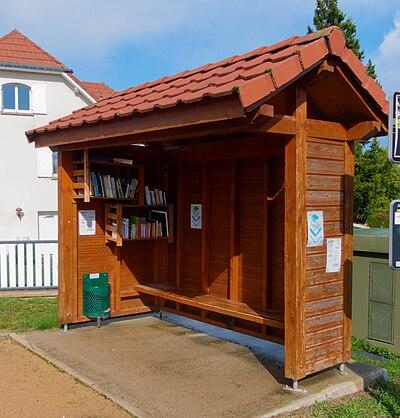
(35, 89)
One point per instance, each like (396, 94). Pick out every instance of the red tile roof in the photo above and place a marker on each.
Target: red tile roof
(16, 48)
(98, 91)
(254, 76)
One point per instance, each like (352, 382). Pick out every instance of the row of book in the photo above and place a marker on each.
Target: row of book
(155, 197)
(153, 226)
(113, 187)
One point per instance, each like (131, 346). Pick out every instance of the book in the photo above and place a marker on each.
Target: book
(125, 161)
(147, 195)
(162, 218)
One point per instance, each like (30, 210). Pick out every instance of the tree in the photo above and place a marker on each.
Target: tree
(327, 13)
(376, 183)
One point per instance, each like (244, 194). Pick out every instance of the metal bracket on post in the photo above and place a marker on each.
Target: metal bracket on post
(342, 369)
(160, 314)
(295, 387)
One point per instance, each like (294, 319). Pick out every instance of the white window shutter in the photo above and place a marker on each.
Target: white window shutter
(39, 99)
(44, 162)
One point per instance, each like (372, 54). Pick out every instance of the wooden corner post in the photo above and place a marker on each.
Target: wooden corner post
(348, 248)
(295, 242)
(67, 242)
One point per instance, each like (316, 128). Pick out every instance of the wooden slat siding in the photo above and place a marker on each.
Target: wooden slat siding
(93, 255)
(323, 336)
(67, 242)
(234, 238)
(323, 351)
(323, 306)
(266, 254)
(295, 243)
(179, 225)
(204, 231)
(191, 238)
(319, 276)
(324, 321)
(324, 291)
(348, 248)
(277, 233)
(116, 288)
(250, 231)
(219, 220)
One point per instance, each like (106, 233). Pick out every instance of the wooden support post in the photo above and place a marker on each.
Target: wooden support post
(67, 243)
(141, 185)
(86, 176)
(117, 278)
(295, 243)
(205, 285)
(234, 260)
(348, 247)
(179, 225)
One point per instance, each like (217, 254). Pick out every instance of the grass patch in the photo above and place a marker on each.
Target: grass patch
(23, 314)
(382, 400)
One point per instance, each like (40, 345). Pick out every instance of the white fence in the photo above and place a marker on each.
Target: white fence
(28, 264)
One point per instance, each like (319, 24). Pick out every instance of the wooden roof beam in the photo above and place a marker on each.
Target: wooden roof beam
(364, 130)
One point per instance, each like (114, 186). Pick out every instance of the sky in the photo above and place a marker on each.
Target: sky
(127, 42)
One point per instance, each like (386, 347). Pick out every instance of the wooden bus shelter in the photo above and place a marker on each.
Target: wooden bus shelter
(234, 155)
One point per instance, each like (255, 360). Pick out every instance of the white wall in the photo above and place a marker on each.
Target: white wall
(20, 185)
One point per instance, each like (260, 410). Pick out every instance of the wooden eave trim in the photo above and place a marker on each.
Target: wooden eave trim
(376, 113)
(180, 116)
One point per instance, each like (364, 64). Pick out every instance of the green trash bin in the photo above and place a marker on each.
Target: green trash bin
(96, 296)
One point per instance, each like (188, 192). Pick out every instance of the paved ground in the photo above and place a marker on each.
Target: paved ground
(159, 368)
(31, 387)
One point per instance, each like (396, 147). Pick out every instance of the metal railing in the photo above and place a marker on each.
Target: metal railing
(28, 264)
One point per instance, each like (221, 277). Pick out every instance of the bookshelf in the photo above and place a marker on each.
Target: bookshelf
(151, 222)
(94, 178)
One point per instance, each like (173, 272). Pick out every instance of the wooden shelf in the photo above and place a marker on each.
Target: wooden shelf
(111, 164)
(113, 222)
(81, 178)
(143, 239)
(213, 304)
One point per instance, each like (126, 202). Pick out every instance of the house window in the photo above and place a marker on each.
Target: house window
(16, 98)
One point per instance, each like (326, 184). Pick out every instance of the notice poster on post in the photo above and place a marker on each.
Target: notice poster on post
(195, 215)
(333, 254)
(87, 222)
(315, 228)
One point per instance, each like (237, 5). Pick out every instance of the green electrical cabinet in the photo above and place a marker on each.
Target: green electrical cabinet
(376, 291)
(96, 296)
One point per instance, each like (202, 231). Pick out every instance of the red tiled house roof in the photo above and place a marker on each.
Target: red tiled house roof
(98, 91)
(254, 76)
(18, 50)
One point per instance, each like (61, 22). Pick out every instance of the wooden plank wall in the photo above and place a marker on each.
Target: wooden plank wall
(324, 315)
(243, 207)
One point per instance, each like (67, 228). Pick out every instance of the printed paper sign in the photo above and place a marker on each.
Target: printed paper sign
(87, 222)
(195, 215)
(333, 254)
(397, 217)
(315, 227)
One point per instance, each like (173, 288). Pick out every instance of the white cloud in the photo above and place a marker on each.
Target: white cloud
(388, 58)
(91, 27)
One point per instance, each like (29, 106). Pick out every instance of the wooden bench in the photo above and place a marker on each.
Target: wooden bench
(213, 304)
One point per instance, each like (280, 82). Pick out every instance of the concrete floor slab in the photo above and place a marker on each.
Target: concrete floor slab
(160, 368)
